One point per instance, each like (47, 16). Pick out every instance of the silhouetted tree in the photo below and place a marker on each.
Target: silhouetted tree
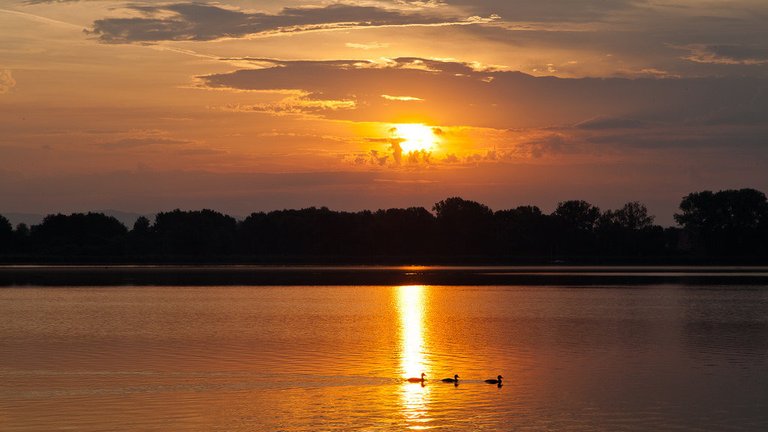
(403, 231)
(464, 226)
(92, 234)
(201, 232)
(629, 231)
(141, 240)
(731, 222)
(22, 230)
(524, 230)
(141, 226)
(21, 238)
(632, 216)
(728, 222)
(320, 231)
(577, 214)
(306, 231)
(253, 234)
(6, 234)
(574, 224)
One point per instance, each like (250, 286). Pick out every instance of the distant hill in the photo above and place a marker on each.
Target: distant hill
(25, 218)
(127, 218)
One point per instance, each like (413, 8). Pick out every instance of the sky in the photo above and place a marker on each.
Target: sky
(243, 106)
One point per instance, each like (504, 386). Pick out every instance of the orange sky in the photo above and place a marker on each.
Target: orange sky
(258, 105)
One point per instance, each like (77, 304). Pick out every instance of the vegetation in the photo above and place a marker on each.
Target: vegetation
(725, 225)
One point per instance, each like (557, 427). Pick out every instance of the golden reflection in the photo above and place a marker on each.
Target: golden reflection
(413, 361)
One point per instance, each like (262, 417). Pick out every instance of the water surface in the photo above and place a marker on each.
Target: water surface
(308, 358)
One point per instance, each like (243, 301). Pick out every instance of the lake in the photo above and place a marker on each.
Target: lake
(650, 356)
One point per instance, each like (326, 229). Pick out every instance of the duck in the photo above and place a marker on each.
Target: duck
(495, 381)
(455, 379)
(417, 380)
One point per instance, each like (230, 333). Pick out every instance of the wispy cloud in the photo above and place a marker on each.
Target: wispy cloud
(201, 22)
(547, 10)
(401, 98)
(367, 46)
(134, 142)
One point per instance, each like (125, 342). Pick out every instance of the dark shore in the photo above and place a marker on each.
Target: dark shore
(169, 275)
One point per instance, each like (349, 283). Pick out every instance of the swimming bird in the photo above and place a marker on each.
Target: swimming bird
(495, 381)
(455, 379)
(417, 380)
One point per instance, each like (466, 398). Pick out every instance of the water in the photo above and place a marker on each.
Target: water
(311, 358)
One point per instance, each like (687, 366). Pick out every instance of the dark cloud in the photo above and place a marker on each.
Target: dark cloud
(547, 10)
(728, 54)
(603, 122)
(726, 141)
(395, 149)
(633, 39)
(34, 2)
(134, 142)
(455, 93)
(199, 21)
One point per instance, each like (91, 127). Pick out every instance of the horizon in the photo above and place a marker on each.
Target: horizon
(128, 218)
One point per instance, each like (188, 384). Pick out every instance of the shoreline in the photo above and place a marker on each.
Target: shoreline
(264, 275)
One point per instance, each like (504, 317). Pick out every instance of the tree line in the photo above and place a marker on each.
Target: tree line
(730, 224)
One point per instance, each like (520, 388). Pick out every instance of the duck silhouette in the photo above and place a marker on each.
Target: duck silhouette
(417, 380)
(495, 381)
(454, 380)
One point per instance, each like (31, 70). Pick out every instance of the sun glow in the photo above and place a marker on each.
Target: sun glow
(415, 137)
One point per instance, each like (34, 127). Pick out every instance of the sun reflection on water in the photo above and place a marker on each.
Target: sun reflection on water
(413, 360)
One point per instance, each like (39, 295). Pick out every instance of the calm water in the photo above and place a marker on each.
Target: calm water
(309, 358)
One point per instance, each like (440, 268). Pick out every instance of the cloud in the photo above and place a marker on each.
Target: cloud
(134, 142)
(296, 103)
(376, 157)
(6, 81)
(727, 54)
(547, 10)
(540, 117)
(34, 2)
(606, 122)
(458, 93)
(367, 46)
(201, 22)
(401, 98)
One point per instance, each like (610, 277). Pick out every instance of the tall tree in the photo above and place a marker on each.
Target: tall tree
(727, 222)
(577, 214)
(524, 230)
(629, 231)
(93, 234)
(199, 232)
(632, 216)
(464, 226)
(6, 234)
(574, 223)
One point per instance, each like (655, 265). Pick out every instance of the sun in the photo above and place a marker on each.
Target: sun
(415, 137)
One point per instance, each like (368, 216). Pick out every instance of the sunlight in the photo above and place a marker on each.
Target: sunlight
(411, 306)
(410, 303)
(415, 137)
